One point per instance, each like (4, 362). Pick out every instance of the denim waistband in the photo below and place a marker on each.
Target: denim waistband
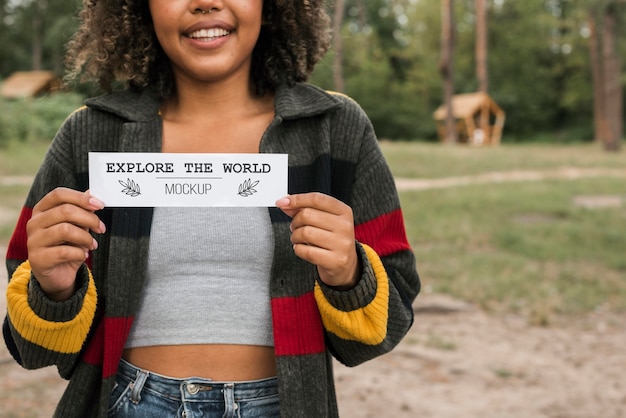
(195, 389)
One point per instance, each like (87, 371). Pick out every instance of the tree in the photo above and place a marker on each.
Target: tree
(482, 53)
(601, 133)
(338, 45)
(612, 79)
(606, 70)
(37, 31)
(5, 36)
(482, 46)
(39, 9)
(446, 66)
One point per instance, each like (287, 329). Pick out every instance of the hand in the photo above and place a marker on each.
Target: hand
(322, 233)
(59, 239)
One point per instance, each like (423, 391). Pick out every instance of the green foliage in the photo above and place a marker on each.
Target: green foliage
(32, 120)
(396, 88)
(538, 65)
(543, 51)
(18, 34)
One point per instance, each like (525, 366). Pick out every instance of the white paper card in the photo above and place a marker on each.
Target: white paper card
(158, 179)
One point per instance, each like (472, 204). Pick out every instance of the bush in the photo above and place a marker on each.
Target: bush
(26, 120)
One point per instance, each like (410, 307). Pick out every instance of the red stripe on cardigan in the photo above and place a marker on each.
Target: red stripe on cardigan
(107, 344)
(17, 245)
(297, 326)
(93, 352)
(385, 234)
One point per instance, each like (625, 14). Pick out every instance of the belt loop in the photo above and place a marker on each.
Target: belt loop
(137, 386)
(231, 407)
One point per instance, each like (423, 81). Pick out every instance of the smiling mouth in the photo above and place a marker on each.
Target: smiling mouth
(209, 34)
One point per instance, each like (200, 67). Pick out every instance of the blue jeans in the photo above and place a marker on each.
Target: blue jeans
(140, 393)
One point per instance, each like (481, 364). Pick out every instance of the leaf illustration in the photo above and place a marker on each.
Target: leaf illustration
(247, 188)
(130, 188)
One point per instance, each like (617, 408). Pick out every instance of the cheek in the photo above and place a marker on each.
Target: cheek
(165, 31)
(162, 18)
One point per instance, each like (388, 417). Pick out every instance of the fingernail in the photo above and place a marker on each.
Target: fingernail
(283, 202)
(96, 203)
(94, 244)
(103, 228)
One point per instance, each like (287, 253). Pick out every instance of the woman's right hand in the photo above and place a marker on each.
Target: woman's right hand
(59, 239)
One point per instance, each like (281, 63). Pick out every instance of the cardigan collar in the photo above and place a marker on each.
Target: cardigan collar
(134, 106)
(301, 100)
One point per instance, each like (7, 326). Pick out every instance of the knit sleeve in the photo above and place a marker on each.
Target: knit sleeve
(342, 314)
(371, 319)
(43, 329)
(37, 331)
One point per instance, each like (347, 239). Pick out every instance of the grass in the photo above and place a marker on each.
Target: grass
(522, 247)
(16, 159)
(517, 247)
(21, 159)
(525, 248)
(423, 160)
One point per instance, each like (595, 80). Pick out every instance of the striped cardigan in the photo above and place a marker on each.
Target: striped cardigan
(332, 149)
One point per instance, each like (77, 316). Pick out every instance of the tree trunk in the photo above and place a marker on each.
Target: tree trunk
(446, 66)
(37, 46)
(482, 51)
(599, 115)
(338, 46)
(612, 86)
(482, 69)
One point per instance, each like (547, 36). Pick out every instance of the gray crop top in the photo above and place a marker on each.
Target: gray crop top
(207, 280)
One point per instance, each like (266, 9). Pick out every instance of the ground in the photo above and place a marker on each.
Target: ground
(456, 361)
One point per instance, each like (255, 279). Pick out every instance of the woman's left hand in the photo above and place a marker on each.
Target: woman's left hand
(322, 233)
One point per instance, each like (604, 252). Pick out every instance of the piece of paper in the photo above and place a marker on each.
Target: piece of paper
(158, 179)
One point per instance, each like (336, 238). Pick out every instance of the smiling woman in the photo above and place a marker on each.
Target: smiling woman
(196, 55)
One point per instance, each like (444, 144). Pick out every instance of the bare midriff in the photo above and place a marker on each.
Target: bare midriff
(210, 361)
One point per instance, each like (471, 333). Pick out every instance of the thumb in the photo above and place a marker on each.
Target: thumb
(284, 204)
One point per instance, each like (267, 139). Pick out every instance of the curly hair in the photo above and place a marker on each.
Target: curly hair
(116, 43)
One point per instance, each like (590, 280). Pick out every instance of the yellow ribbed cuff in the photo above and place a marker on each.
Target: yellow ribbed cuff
(367, 325)
(62, 337)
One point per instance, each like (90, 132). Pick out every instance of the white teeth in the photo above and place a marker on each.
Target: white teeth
(209, 33)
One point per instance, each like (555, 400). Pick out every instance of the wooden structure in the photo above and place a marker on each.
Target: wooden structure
(29, 84)
(469, 110)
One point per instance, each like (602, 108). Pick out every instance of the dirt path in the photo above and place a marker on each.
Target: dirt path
(456, 361)
(460, 362)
